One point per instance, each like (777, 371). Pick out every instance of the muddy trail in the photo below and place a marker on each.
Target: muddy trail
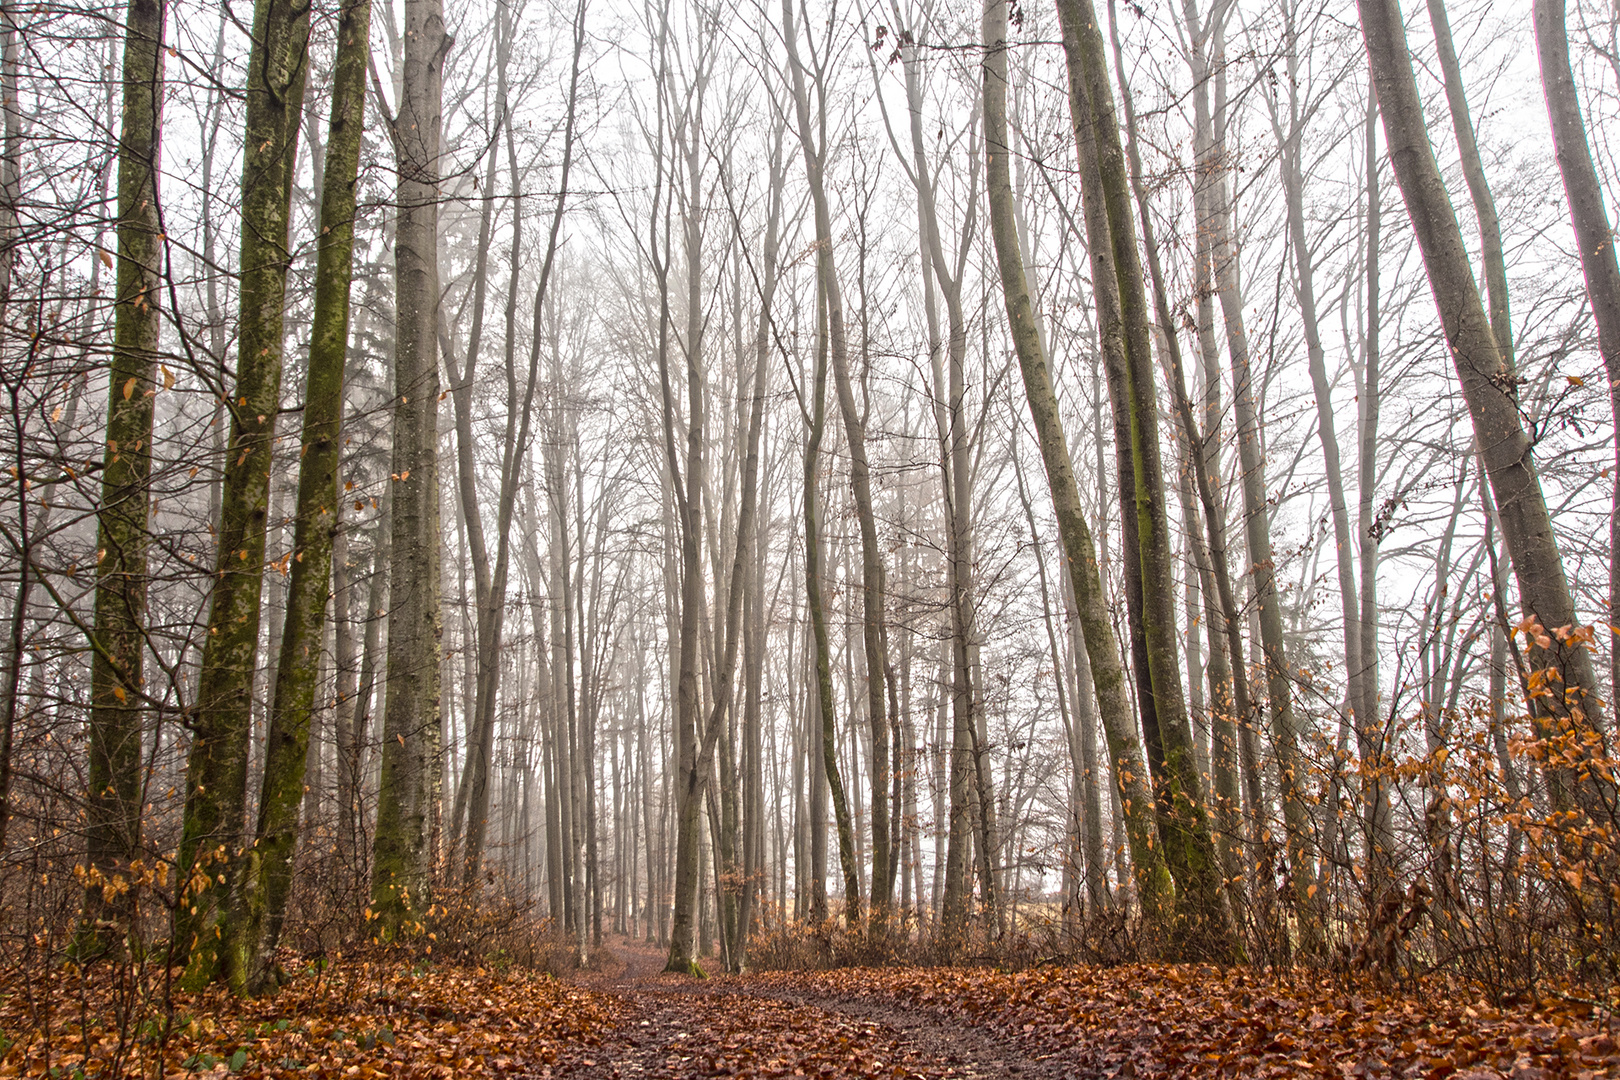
(676, 1026)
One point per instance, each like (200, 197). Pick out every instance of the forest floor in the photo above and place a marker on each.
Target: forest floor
(1143, 1020)
(360, 1018)
(675, 1026)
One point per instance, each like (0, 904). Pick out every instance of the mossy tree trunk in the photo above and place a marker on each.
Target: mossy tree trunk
(1121, 297)
(216, 769)
(119, 641)
(1153, 883)
(266, 870)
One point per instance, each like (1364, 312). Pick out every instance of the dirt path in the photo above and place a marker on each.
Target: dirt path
(674, 1026)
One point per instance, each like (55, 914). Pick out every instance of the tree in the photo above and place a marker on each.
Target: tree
(832, 338)
(491, 585)
(1594, 240)
(216, 770)
(266, 870)
(402, 845)
(1120, 296)
(1108, 677)
(1490, 386)
(813, 141)
(118, 642)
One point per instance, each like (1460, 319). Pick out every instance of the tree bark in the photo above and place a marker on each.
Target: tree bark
(267, 871)
(216, 769)
(401, 847)
(1108, 677)
(117, 693)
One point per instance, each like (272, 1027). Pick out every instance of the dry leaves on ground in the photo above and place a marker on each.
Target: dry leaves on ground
(356, 1020)
(713, 1035)
(1172, 1020)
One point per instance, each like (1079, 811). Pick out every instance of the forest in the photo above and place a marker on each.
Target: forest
(1065, 540)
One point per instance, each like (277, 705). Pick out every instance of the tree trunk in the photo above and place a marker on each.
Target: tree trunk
(826, 737)
(117, 699)
(1594, 239)
(401, 848)
(1380, 833)
(1120, 295)
(689, 497)
(266, 872)
(1108, 677)
(1229, 687)
(216, 770)
(873, 588)
(1363, 711)
(1490, 386)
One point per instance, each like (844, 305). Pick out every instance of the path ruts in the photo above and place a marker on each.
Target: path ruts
(672, 1026)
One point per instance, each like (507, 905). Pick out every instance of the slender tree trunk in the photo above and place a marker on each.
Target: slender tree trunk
(1489, 385)
(740, 579)
(119, 642)
(689, 496)
(352, 757)
(826, 736)
(1479, 189)
(872, 570)
(1293, 177)
(492, 600)
(1120, 294)
(1108, 676)
(1594, 239)
(1257, 511)
(402, 846)
(1370, 738)
(10, 197)
(1229, 680)
(873, 587)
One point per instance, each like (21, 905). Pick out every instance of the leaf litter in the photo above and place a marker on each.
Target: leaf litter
(362, 1019)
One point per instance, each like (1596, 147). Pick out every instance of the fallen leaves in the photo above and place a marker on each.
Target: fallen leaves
(353, 1021)
(1150, 1020)
(360, 1019)
(739, 1035)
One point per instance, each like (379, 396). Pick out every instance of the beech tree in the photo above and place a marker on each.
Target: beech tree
(118, 641)
(402, 844)
(267, 868)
